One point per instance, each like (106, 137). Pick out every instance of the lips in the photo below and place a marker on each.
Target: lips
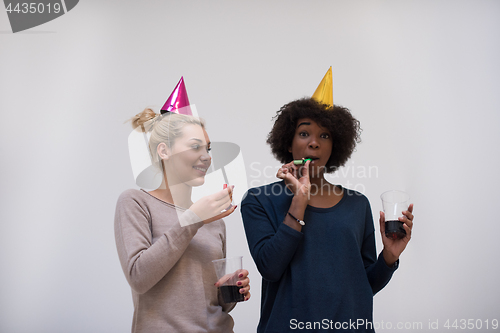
(201, 168)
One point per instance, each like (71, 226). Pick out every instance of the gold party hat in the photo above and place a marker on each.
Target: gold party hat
(324, 92)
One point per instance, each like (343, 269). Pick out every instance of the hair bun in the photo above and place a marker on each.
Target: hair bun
(142, 117)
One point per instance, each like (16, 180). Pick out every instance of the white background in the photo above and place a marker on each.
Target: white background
(421, 76)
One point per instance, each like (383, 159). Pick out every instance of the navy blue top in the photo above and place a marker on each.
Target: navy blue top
(328, 273)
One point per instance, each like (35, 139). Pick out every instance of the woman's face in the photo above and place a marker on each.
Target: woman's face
(188, 159)
(312, 141)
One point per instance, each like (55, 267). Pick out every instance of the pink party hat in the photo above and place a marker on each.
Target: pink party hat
(178, 101)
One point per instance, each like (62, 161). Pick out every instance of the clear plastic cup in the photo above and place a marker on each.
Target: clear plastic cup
(227, 271)
(394, 203)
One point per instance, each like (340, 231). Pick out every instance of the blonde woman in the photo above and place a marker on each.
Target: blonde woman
(166, 243)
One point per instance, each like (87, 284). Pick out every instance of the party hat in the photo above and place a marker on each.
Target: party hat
(324, 92)
(178, 101)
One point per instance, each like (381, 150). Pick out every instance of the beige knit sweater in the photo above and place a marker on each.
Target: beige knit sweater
(169, 267)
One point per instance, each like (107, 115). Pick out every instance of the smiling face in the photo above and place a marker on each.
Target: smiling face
(312, 141)
(188, 159)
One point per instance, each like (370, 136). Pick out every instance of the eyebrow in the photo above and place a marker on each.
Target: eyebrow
(304, 123)
(196, 139)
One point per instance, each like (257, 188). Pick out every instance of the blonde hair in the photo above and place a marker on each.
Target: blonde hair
(164, 129)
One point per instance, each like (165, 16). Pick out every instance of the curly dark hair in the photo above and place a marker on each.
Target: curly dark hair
(338, 120)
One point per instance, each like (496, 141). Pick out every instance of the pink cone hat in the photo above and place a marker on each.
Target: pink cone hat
(178, 101)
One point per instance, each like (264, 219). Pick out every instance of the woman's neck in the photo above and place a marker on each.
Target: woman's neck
(319, 181)
(324, 194)
(179, 194)
(323, 188)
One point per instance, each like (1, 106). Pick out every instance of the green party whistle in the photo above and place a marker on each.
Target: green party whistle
(302, 161)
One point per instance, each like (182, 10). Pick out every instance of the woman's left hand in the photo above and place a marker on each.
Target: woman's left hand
(394, 247)
(243, 282)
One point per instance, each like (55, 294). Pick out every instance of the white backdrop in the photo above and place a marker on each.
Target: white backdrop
(421, 76)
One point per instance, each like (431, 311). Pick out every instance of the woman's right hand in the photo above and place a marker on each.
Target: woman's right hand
(299, 184)
(211, 207)
(242, 280)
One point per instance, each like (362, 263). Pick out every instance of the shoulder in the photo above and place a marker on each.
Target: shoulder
(132, 195)
(132, 205)
(271, 200)
(267, 192)
(133, 198)
(355, 197)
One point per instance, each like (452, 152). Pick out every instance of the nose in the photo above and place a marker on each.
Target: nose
(313, 144)
(205, 157)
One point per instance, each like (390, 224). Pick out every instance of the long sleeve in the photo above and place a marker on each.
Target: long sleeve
(169, 267)
(144, 262)
(271, 242)
(337, 242)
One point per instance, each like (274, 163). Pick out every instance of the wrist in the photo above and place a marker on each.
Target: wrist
(299, 221)
(300, 201)
(389, 258)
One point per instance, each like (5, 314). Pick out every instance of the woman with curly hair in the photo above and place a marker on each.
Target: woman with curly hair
(312, 241)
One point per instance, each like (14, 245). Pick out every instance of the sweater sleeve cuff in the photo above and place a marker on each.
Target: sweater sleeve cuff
(187, 217)
(387, 267)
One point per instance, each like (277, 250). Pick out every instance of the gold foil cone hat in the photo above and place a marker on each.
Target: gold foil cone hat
(324, 92)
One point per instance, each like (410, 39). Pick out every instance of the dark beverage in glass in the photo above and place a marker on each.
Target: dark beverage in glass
(394, 204)
(394, 229)
(231, 294)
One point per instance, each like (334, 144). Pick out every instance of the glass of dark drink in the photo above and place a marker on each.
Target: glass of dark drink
(227, 271)
(394, 203)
